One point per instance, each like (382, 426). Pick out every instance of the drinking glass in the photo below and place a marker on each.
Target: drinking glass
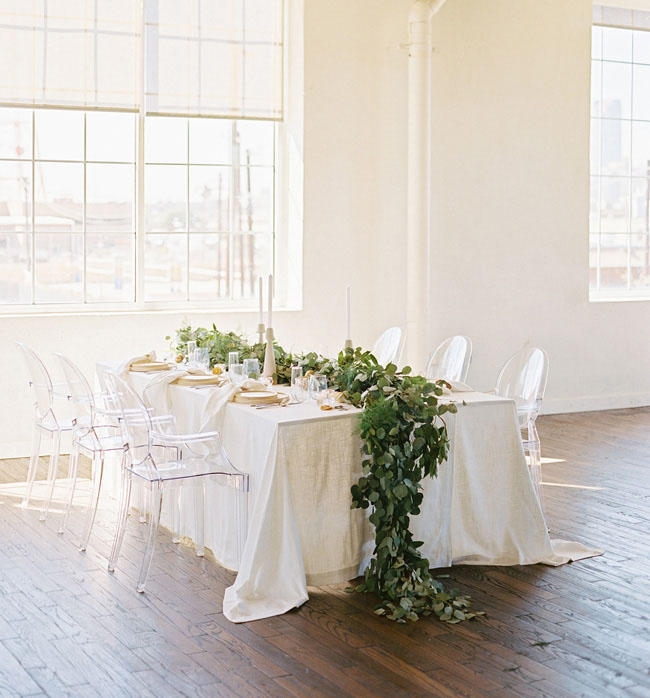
(236, 373)
(297, 384)
(317, 387)
(201, 358)
(233, 358)
(191, 348)
(251, 368)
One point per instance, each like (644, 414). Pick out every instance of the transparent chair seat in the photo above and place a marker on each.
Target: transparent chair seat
(523, 379)
(146, 460)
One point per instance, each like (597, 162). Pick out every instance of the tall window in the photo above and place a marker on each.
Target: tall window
(619, 224)
(138, 150)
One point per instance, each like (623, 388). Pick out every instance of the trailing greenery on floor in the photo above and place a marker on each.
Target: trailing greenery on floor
(404, 440)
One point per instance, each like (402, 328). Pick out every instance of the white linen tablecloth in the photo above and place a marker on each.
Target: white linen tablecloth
(481, 509)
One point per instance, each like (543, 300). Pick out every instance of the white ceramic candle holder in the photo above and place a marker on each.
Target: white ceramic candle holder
(348, 344)
(260, 333)
(269, 356)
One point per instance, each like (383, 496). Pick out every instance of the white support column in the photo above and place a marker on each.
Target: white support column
(418, 180)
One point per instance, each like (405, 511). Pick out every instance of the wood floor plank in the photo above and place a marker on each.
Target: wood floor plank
(69, 628)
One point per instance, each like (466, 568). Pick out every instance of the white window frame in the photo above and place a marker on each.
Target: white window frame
(287, 205)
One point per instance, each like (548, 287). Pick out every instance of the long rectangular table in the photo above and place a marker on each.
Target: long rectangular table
(481, 509)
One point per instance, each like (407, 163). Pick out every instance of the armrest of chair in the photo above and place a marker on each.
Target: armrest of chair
(177, 439)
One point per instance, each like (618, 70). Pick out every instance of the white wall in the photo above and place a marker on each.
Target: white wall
(509, 244)
(354, 212)
(510, 83)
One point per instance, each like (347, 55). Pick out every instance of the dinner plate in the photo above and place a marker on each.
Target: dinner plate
(150, 366)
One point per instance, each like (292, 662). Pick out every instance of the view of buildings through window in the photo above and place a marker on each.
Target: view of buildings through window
(619, 224)
(68, 219)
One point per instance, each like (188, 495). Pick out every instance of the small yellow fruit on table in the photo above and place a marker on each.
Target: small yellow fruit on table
(179, 358)
(217, 370)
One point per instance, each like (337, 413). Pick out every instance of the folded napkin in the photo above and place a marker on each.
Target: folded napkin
(124, 366)
(252, 384)
(456, 387)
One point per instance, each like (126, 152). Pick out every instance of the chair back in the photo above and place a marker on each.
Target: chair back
(39, 380)
(135, 423)
(78, 387)
(387, 348)
(523, 378)
(450, 360)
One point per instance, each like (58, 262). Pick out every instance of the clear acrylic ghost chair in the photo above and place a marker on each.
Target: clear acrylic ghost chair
(96, 433)
(45, 422)
(450, 360)
(191, 467)
(388, 348)
(523, 379)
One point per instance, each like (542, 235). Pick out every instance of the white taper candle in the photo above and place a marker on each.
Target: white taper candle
(260, 286)
(347, 293)
(270, 322)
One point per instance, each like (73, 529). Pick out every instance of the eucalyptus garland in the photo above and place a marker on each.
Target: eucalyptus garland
(404, 440)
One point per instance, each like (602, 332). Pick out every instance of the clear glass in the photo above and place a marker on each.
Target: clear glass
(110, 137)
(201, 357)
(16, 133)
(233, 358)
(59, 196)
(15, 261)
(165, 267)
(110, 198)
(165, 139)
(109, 267)
(236, 373)
(166, 198)
(59, 134)
(317, 387)
(297, 384)
(251, 368)
(191, 348)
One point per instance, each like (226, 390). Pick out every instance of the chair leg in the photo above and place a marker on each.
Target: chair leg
(92, 505)
(176, 506)
(142, 503)
(33, 465)
(154, 519)
(125, 498)
(72, 478)
(199, 518)
(52, 473)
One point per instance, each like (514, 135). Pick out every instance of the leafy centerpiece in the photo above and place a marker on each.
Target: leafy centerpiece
(404, 440)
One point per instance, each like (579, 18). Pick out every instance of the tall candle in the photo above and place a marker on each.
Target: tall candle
(260, 285)
(270, 323)
(347, 293)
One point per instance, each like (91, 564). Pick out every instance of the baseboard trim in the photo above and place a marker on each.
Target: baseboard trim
(595, 403)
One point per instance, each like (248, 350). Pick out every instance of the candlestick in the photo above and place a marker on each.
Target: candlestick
(269, 322)
(260, 288)
(269, 356)
(348, 341)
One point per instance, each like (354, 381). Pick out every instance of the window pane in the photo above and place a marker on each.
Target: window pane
(255, 142)
(15, 267)
(59, 134)
(615, 204)
(640, 262)
(110, 137)
(252, 258)
(617, 44)
(596, 88)
(210, 141)
(110, 192)
(639, 210)
(15, 133)
(209, 266)
(596, 42)
(209, 198)
(59, 268)
(165, 267)
(165, 198)
(254, 199)
(15, 196)
(613, 261)
(59, 197)
(617, 90)
(641, 106)
(165, 139)
(641, 46)
(594, 205)
(109, 267)
(595, 137)
(615, 154)
(640, 148)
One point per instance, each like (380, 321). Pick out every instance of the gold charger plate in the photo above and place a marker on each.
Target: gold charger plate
(146, 366)
(191, 380)
(256, 397)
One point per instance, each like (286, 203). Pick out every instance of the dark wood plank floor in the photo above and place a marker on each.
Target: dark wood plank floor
(67, 627)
